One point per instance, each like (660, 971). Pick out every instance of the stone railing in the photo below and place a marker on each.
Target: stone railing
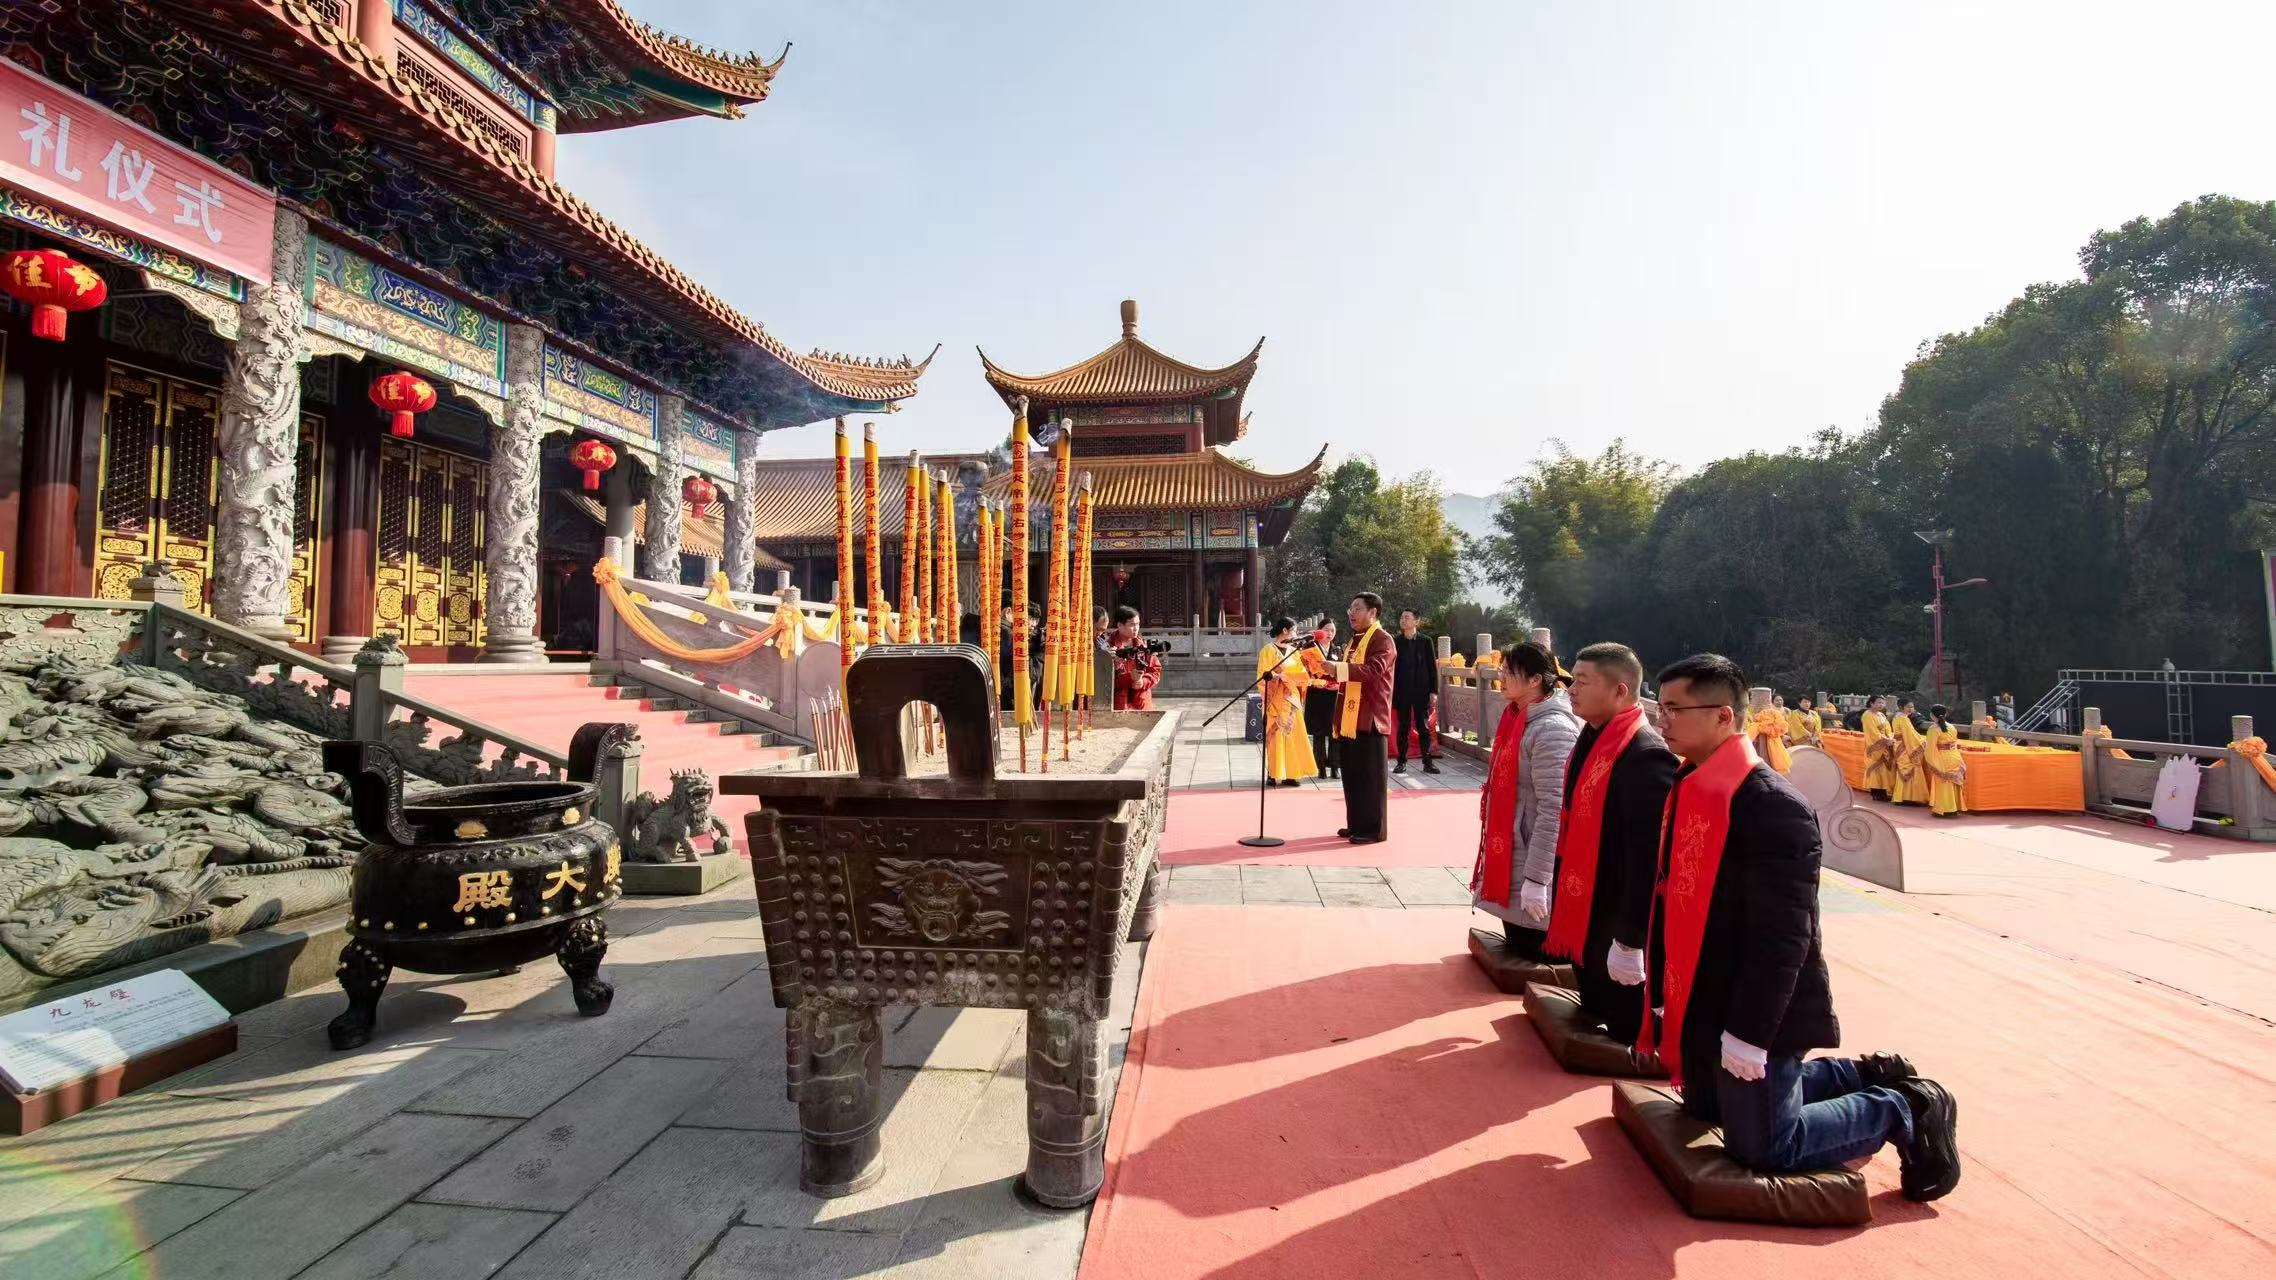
(764, 688)
(2121, 774)
(364, 701)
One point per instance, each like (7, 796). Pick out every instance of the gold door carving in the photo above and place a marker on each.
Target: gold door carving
(155, 494)
(308, 472)
(429, 581)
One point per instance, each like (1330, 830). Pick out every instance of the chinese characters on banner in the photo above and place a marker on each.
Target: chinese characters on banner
(61, 147)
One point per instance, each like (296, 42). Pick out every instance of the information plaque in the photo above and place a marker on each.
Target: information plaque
(54, 1044)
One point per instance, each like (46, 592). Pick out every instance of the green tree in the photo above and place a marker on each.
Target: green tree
(1357, 533)
(1567, 534)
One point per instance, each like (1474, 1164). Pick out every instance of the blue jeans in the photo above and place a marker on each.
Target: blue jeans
(1805, 1115)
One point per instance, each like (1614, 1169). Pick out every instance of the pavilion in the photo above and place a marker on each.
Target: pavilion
(289, 200)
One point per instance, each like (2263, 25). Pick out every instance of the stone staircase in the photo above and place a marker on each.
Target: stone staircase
(547, 707)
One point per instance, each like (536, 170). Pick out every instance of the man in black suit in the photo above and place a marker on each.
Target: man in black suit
(1738, 967)
(1414, 684)
(1615, 788)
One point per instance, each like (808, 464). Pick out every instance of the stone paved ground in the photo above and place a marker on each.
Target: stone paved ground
(489, 1130)
(1321, 886)
(1217, 759)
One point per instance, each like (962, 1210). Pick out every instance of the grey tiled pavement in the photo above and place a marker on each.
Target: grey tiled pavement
(489, 1130)
(1218, 759)
(1393, 887)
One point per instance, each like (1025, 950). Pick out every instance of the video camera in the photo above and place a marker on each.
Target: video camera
(1128, 652)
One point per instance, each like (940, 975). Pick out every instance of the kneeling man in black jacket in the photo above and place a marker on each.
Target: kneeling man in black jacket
(1738, 973)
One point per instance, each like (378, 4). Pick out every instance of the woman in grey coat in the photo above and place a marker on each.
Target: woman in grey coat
(1528, 793)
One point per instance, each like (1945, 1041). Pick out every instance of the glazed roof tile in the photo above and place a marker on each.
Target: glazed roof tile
(1129, 372)
(1203, 481)
(798, 497)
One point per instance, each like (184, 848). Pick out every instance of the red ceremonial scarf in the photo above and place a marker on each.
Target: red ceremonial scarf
(1497, 812)
(1583, 831)
(1695, 828)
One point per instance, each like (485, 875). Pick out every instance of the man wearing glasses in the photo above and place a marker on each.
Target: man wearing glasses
(1738, 975)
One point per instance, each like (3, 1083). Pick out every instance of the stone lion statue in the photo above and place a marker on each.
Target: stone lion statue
(667, 830)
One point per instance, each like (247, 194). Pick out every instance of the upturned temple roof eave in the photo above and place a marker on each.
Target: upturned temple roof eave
(1203, 481)
(1128, 372)
(723, 83)
(402, 112)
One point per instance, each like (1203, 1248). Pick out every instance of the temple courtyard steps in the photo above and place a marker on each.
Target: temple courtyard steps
(547, 707)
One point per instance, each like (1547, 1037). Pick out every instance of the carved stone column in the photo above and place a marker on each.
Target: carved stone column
(509, 550)
(742, 541)
(660, 557)
(257, 441)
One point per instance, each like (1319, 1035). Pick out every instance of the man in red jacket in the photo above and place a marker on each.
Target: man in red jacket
(1363, 721)
(1737, 970)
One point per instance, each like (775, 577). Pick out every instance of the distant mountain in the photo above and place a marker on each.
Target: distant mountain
(1474, 515)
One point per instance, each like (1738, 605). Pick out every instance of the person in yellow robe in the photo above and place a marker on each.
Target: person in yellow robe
(1912, 775)
(1802, 723)
(1946, 768)
(1287, 749)
(1880, 749)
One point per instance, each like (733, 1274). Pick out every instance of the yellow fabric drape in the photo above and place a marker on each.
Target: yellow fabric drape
(2255, 753)
(1347, 714)
(605, 573)
(1912, 776)
(1287, 748)
(2103, 731)
(1946, 768)
(1768, 729)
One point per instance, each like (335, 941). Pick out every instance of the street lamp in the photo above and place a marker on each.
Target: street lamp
(1936, 538)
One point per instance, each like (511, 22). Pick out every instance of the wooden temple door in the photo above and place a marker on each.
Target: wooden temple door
(430, 545)
(155, 492)
(307, 524)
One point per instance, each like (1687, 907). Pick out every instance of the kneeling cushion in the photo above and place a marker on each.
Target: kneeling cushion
(1577, 1042)
(1511, 971)
(1687, 1153)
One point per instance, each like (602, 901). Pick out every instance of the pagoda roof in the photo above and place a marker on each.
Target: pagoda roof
(297, 43)
(606, 69)
(797, 498)
(1203, 481)
(1130, 372)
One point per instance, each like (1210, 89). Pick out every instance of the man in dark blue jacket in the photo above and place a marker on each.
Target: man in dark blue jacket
(1738, 971)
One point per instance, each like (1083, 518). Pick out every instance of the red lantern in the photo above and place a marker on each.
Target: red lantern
(700, 494)
(402, 394)
(1121, 576)
(52, 284)
(591, 457)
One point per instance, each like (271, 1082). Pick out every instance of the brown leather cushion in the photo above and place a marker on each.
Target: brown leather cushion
(1577, 1042)
(1688, 1155)
(1511, 971)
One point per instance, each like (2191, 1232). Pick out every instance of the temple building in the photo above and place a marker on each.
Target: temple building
(291, 201)
(1180, 523)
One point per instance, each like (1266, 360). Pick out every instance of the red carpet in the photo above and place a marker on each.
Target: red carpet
(1320, 1094)
(1428, 829)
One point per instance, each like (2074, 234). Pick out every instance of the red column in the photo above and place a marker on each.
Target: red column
(1252, 587)
(375, 28)
(56, 390)
(354, 455)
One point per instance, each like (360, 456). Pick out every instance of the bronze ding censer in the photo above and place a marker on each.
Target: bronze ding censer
(477, 878)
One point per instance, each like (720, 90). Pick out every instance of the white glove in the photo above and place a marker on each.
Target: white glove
(1625, 965)
(1744, 1060)
(1533, 901)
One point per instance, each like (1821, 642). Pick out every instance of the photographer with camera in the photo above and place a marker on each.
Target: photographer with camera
(1137, 662)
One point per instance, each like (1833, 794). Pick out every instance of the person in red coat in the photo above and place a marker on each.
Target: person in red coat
(1363, 721)
(1136, 671)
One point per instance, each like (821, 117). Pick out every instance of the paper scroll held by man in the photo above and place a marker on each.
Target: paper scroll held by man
(1608, 838)
(1880, 749)
(1363, 722)
(1518, 812)
(1287, 751)
(1738, 975)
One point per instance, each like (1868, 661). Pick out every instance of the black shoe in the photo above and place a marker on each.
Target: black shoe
(1885, 1070)
(1931, 1164)
(1288, 782)
(1345, 832)
(1400, 767)
(1879, 794)
(1430, 766)
(1366, 839)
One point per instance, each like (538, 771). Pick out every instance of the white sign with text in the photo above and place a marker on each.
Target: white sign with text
(64, 1040)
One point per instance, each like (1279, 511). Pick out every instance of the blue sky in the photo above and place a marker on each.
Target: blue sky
(1463, 228)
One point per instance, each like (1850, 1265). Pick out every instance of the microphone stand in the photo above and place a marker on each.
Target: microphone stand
(1264, 775)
